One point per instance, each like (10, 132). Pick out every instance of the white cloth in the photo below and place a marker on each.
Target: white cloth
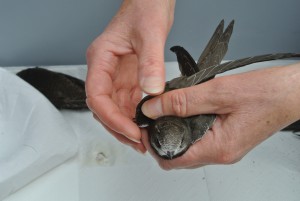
(107, 170)
(34, 137)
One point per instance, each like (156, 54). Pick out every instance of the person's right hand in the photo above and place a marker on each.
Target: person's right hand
(250, 107)
(126, 59)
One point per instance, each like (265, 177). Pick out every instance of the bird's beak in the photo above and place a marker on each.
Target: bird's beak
(170, 154)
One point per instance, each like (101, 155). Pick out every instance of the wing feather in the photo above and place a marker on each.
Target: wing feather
(216, 47)
(187, 64)
(205, 74)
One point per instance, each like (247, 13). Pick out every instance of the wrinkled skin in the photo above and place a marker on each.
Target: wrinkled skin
(250, 108)
(126, 59)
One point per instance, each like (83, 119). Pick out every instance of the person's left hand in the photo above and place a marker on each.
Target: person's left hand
(250, 107)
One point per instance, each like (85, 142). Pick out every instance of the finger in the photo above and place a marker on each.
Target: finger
(101, 66)
(99, 89)
(151, 65)
(136, 146)
(111, 116)
(139, 147)
(205, 98)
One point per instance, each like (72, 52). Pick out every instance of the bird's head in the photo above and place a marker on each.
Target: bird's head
(169, 136)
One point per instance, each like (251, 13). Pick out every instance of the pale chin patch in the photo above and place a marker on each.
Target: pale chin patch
(143, 125)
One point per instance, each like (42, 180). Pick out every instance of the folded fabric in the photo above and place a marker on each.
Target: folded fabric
(34, 137)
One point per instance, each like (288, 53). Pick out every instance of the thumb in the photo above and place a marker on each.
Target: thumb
(199, 99)
(151, 67)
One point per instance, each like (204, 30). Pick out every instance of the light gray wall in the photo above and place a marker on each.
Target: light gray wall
(56, 32)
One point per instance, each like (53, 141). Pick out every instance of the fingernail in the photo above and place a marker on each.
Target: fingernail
(152, 108)
(134, 140)
(152, 85)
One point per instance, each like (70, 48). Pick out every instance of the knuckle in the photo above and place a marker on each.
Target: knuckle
(90, 51)
(94, 47)
(178, 103)
(90, 103)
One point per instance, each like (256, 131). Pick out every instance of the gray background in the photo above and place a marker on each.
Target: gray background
(57, 32)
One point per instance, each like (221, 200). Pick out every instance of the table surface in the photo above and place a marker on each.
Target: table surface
(104, 169)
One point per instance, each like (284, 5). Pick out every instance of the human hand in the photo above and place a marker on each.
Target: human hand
(126, 59)
(250, 107)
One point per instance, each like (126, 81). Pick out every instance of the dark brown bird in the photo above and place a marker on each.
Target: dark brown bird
(171, 136)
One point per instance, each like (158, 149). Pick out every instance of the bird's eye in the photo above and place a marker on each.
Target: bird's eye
(181, 143)
(157, 143)
(157, 129)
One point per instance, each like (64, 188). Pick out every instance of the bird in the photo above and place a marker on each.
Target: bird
(171, 136)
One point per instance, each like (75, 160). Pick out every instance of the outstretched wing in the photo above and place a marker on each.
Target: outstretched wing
(216, 47)
(205, 74)
(187, 64)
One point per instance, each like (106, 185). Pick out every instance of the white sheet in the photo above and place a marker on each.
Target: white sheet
(34, 137)
(271, 171)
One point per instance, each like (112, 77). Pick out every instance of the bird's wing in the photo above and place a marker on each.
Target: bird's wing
(206, 74)
(217, 47)
(187, 64)
(63, 91)
(199, 124)
(214, 40)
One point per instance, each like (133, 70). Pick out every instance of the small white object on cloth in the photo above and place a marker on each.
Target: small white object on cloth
(34, 136)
